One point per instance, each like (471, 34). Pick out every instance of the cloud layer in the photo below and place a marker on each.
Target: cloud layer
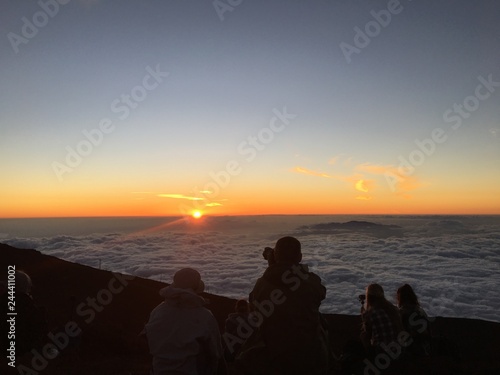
(451, 262)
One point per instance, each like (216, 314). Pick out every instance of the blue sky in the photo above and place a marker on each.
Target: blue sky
(225, 78)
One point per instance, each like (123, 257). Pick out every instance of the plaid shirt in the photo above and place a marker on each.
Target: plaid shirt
(378, 323)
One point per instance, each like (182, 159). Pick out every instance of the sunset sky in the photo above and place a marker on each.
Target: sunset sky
(124, 108)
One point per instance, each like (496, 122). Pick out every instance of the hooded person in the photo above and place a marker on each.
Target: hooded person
(183, 336)
(292, 337)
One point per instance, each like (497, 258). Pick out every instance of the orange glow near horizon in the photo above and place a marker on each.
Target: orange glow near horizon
(61, 214)
(246, 200)
(279, 207)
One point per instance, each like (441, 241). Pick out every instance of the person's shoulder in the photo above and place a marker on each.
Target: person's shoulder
(375, 312)
(421, 310)
(25, 303)
(160, 306)
(272, 270)
(208, 318)
(157, 310)
(411, 309)
(272, 275)
(418, 312)
(313, 279)
(313, 275)
(202, 310)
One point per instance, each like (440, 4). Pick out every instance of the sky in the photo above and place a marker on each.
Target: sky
(234, 107)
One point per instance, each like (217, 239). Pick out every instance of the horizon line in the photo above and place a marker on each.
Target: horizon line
(240, 215)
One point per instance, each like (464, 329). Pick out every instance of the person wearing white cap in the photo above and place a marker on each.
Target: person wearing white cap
(183, 336)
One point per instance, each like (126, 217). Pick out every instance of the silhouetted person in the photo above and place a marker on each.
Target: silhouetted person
(381, 321)
(233, 336)
(290, 336)
(415, 321)
(30, 320)
(183, 336)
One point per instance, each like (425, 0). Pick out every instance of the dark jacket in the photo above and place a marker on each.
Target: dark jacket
(417, 324)
(292, 338)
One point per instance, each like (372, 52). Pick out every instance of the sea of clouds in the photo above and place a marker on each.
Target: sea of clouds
(452, 262)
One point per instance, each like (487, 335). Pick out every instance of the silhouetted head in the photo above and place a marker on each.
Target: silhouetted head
(288, 250)
(23, 282)
(374, 295)
(188, 278)
(241, 306)
(406, 296)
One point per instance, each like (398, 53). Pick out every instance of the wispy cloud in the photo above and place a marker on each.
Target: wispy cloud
(180, 196)
(364, 198)
(401, 181)
(356, 180)
(364, 185)
(213, 204)
(311, 173)
(350, 179)
(206, 201)
(397, 179)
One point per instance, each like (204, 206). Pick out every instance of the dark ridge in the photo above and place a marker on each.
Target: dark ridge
(109, 342)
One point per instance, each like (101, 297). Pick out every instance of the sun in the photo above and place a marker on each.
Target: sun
(197, 214)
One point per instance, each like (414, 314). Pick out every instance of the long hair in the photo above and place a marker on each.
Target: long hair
(407, 297)
(374, 296)
(375, 299)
